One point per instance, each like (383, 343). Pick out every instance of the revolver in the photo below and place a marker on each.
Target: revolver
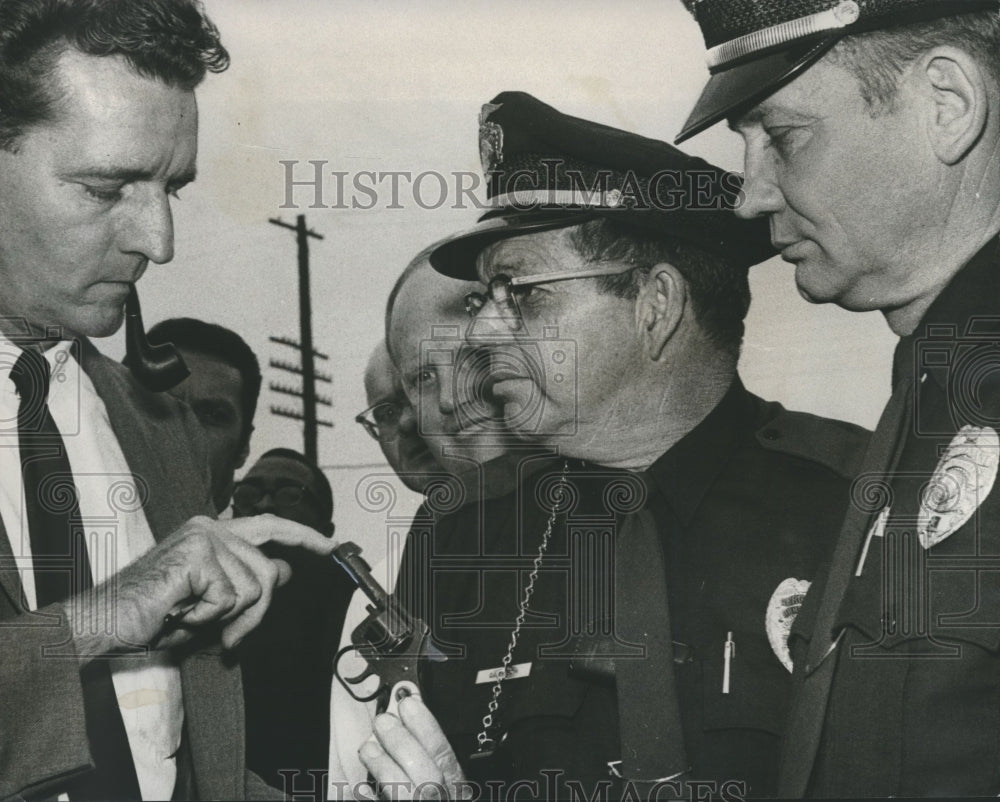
(392, 642)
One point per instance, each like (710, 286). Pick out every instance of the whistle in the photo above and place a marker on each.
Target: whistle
(156, 367)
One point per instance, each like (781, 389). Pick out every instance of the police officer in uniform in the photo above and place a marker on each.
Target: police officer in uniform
(871, 133)
(623, 617)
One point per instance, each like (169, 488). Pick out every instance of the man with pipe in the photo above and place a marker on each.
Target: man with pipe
(118, 595)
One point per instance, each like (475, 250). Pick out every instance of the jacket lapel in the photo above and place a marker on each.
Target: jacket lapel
(10, 577)
(805, 725)
(145, 425)
(147, 428)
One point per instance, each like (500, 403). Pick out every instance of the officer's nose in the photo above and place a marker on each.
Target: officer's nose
(149, 229)
(761, 192)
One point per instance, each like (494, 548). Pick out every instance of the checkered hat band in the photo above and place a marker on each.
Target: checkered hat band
(735, 29)
(776, 35)
(723, 21)
(537, 171)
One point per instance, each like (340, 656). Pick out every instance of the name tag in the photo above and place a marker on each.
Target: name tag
(493, 674)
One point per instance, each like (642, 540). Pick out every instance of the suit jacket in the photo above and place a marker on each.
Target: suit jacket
(42, 733)
(898, 659)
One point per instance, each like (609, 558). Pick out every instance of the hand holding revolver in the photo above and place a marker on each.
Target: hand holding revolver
(410, 758)
(408, 755)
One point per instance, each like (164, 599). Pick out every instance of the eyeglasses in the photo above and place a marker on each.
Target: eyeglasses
(285, 494)
(381, 420)
(503, 289)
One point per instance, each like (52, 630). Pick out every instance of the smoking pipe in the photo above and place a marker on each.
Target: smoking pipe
(157, 367)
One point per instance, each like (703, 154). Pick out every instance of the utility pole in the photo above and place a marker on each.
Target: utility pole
(305, 345)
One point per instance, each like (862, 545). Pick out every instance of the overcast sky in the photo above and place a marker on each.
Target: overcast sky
(394, 86)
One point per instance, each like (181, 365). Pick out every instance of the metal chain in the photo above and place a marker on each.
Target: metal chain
(483, 738)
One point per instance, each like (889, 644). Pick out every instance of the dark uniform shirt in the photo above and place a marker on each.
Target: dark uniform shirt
(750, 497)
(914, 707)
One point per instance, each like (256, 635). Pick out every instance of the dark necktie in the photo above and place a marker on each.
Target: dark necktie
(62, 568)
(649, 712)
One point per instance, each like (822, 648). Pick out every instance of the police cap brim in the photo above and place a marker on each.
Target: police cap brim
(456, 256)
(736, 89)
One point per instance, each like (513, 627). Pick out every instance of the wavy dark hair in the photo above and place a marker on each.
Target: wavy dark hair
(168, 40)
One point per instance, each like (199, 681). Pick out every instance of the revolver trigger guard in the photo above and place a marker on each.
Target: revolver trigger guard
(349, 682)
(355, 680)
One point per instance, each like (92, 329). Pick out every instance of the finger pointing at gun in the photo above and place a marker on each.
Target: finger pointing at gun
(242, 557)
(206, 572)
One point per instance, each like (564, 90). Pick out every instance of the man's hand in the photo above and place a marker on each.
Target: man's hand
(410, 758)
(207, 572)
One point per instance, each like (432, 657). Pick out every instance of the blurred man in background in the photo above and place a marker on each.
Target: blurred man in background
(284, 483)
(443, 379)
(222, 389)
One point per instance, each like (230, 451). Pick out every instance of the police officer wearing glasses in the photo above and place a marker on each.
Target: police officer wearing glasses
(287, 661)
(616, 287)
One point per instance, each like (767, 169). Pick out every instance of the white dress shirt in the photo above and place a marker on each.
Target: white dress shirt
(148, 686)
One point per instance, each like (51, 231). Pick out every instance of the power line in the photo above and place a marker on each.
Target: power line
(307, 370)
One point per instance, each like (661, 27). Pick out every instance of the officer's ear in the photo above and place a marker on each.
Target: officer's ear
(956, 85)
(659, 308)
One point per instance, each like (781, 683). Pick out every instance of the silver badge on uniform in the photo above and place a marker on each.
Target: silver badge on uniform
(961, 482)
(786, 601)
(490, 139)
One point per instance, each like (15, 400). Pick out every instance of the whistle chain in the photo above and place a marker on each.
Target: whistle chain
(486, 743)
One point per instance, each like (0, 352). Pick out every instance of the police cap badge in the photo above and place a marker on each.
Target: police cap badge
(547, 170)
